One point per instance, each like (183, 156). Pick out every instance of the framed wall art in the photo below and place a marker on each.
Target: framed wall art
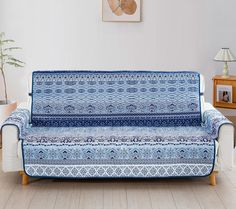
(121, 10)
(224, 93)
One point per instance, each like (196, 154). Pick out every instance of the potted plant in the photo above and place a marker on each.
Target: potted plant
(7, 59)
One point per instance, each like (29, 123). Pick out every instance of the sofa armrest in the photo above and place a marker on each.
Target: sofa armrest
(12, 130)
(19, 118)
(24, 105)
(223, 130)
(213, 120)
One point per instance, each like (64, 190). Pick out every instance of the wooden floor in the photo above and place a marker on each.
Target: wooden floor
(193, 193)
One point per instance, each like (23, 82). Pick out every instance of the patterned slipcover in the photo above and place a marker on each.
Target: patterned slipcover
(155, 143)
(119, 98)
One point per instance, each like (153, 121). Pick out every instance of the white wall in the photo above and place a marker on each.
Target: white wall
(69, 34)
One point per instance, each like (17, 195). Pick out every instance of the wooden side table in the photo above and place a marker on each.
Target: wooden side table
(231, 81)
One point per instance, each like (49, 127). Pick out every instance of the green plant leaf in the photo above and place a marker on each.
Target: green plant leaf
(2, 34)
(14, 64)
(11, 48)
(15, 60)
(7, 41)
(4, 55)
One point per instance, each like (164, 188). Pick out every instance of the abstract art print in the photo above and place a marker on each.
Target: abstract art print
(121, 10)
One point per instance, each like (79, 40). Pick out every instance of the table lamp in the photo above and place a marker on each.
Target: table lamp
(225, 55)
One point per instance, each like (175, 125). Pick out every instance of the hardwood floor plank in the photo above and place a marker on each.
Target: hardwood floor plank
(207, 196)
(68, 195)
(75, 195)
(115, 195)
(231, 175)
(183, 195)
(91, 196)
(226, 191)
(45, 196)
(8, 183)
(161, 196)
(138, 196)
(21, 197)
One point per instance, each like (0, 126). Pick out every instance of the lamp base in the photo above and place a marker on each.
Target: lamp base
(225, 76)
(225, 71)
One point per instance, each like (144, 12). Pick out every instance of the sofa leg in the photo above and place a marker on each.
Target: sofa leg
(212, 178)
(25, 178)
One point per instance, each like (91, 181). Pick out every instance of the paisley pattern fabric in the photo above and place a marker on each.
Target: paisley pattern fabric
(120, 98)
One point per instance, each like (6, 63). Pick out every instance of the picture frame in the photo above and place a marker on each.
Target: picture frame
(224, 93)
(121, 10)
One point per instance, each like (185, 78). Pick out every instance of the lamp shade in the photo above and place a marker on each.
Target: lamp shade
(225, 55)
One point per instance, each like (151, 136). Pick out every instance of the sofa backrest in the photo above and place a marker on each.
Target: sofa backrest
(115, 98)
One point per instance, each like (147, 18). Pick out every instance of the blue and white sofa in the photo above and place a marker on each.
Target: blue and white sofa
(117, 124)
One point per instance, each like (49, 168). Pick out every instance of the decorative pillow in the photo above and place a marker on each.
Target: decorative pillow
(115, 98)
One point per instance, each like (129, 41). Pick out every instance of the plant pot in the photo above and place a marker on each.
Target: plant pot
(6, 109)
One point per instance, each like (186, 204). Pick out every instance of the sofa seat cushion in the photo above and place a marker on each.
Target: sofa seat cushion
(118, 152)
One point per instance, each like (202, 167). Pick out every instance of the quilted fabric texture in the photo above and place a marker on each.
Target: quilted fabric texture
(118, 152)
(121, 98)
(117, 124)
(83, 152)
(212, 120)
(19, 118)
